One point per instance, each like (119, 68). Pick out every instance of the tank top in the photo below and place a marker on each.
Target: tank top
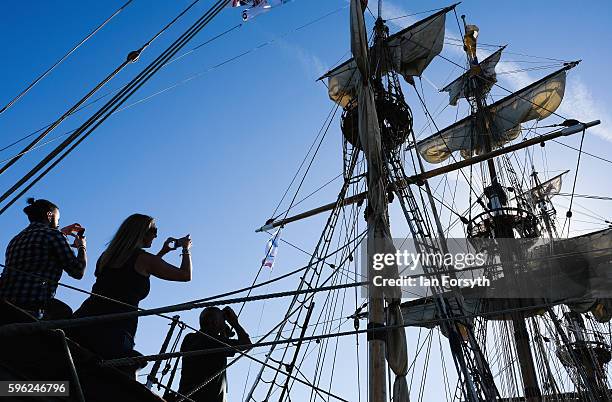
(123, 284)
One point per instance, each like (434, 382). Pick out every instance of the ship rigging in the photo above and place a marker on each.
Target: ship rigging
(511, 348)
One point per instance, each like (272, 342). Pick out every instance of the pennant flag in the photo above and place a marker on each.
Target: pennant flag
(271, 250)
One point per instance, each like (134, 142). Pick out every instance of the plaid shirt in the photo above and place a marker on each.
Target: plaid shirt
(44, 252)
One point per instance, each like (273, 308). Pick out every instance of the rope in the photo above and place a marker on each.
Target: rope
(13, 326)
(329, 115)
(64, 57)
(568, 218)
(69, 323)
(194, 75)
(175, 85)
(106, 111)
(327, 323)
(264, 363)
(120, 88)
(584, 152)
(327, 183)
(132, 57)
(434, 321)
(593, 197)
(413, 14)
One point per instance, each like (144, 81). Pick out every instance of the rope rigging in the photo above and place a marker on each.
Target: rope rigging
(18, 327)
(328, 310)
(63, 58)
(172, 86)
(106, 111)
(132, 57)
(311, 286)
(329, 118)
(92, 102)
(312, 282)
(568, 215)
(278, 329)
(195, 304)
(314, 338)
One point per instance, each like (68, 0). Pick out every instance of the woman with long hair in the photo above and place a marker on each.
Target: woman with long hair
(123, 274)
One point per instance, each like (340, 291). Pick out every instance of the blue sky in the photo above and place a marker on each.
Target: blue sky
(213, 156)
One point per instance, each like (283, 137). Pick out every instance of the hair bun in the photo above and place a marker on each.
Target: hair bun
(37, 209)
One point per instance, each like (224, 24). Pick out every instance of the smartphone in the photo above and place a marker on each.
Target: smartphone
(181, 242)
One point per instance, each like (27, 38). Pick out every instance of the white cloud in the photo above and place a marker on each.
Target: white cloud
(391, 11)
(312, 65)
(508, 73)
(580, 104)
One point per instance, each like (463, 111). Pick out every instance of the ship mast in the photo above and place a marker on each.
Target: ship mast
(377, 121)
(377, 384)
(497, 200)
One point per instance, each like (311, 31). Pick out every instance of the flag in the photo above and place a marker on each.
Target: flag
(260, 7)
(271, 250)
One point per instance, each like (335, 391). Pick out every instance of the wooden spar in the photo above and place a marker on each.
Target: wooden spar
(420, 178)
(327, 207)
(500, 151)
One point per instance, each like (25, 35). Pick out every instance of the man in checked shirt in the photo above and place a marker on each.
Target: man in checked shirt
(35, 259)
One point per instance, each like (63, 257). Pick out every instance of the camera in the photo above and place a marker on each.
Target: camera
(180, 242)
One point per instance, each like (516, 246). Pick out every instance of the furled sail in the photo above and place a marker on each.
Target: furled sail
(459, 88)
(536, 101)
(410, 52)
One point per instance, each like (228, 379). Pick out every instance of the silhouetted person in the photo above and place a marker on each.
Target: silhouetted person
(36, 258)
(198, 369)
(123, 274)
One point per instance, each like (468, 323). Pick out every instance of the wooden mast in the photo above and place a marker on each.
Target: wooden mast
(377, 372)
(496, 197)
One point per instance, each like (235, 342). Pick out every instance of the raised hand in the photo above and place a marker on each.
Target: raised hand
(229, 315)
(166, 248)
(73, 229)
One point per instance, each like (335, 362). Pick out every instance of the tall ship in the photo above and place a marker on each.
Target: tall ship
(531, 322)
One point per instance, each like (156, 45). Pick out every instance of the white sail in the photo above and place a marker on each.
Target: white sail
(536, 101)
(459, 87)
(410, 52)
